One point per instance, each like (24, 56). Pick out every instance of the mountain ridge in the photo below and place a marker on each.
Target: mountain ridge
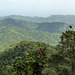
(52, 18)
(12, 35)
(16, 30)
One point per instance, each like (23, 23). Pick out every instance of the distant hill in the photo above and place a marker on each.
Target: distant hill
(27, 18)
(62, 18)
(12, 35)
(44, 26)
(58, 27)
(16, 30)
(52, 18)
(17, 23)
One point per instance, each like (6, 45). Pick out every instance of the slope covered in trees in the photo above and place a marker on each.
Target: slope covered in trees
(18, 23)
(45, 26)
(16, 30)
(52, 18)
(12, 35)
(10, 57)
(59, 60)
(19, 49)
(52, 27)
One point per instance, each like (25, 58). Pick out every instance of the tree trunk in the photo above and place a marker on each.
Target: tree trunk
(73, 55)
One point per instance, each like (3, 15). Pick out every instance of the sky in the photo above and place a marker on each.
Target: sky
(41, 8)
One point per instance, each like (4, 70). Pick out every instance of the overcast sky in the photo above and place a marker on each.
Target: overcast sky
(42, 8)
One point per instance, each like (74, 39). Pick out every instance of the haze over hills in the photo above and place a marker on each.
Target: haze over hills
(44, 26)
(18, 23)
(36, 35)
(52, 27)
(52, 18)
(14, 29)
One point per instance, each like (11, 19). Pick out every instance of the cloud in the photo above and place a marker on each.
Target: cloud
(37, 7)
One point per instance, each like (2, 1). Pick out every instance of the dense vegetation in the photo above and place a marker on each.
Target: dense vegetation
(18, 23)
(29, 57)
(45, 26)
(16, 52)
(17, 30)
(37, 57)
(54, 27)
(12, 35)
(19, 49)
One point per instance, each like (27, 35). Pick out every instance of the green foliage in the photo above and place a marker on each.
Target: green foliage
(64, 70)
(45, 26)
(30, 60)
(63, 61)
(30, 64)
(25, 58)
(17, 30)
(12, 35)
(17, 60)
(18, 50)
(18, 23)
(66, 49)
(53, 72)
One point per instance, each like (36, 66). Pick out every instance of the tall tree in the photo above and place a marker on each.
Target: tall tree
(68, 45)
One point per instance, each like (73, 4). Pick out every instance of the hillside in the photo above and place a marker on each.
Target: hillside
(41, 35)
(19, 49)
(58, 27)
(18, 23)
(27, 18)
(45, 26)
(12, 35)
(52, 18)
(16, 30)
(24, 56)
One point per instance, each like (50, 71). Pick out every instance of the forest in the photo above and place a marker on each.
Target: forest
(36, 48)
(16, 29)
(35, 58)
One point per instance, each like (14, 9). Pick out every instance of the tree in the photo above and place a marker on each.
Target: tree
(31, 64)
(67, 45)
